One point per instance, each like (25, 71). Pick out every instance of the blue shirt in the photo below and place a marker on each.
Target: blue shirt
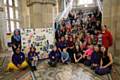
(95, 58)
(54, 54)
(31, 55)
(65, 56)
(18, 58)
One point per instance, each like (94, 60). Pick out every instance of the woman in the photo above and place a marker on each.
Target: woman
(105, 62)
(106, 37)
(16, 40)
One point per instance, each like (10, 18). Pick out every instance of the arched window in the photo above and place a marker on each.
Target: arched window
(85, 2)
(12, 16)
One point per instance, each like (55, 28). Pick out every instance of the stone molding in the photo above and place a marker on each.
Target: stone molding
(1, 9)
(31, 2)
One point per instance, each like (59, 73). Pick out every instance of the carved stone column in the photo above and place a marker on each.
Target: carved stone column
(41, 12)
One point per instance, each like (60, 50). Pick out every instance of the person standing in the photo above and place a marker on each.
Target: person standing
(106, 37)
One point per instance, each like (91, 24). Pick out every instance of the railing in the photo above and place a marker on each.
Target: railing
(65, 12)
(100, 6)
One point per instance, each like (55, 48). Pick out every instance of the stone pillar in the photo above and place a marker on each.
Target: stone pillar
(107, 12)
(3, 28)
(116, 23)
(25, 14)
(61, 5)
(41, 14)
(111, 17)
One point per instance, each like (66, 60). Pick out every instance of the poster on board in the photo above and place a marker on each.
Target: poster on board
(38, 37)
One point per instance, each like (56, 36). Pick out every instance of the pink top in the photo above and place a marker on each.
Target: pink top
(89, 52)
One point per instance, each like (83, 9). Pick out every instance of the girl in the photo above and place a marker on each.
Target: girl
(105, 62)
(70, 48)
(95, 58)
(32, 58)
(87, 55)
(77, 54)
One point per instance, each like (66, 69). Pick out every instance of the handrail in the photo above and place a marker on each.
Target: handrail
(66, 11)
(100, 6)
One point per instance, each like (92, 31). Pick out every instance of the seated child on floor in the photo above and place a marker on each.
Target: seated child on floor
(32, 58)
(53, 57)
(87, 55)
(77, 54)
(95, 58)
(65, 56)
(105, 62)
(18, 61)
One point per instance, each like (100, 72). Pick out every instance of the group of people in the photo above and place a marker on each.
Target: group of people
(77, 41)
(86, 42)
(19, 60)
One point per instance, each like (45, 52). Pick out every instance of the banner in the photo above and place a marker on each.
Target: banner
(41, 38)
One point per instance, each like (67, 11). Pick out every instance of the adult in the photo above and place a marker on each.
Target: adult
(16, 40)
(106, 37)
(105, 62)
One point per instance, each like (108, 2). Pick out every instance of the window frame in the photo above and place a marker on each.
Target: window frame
(7, 15)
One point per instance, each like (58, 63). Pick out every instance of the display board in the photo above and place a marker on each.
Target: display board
(38, 37)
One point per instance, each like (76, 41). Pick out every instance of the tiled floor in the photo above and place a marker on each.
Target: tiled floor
(66, 72)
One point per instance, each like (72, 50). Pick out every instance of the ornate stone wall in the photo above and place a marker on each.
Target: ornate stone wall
(111, 17)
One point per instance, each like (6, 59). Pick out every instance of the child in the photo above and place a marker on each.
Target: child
(95, 58)
(61, 44)
(53, 57)
(32, 58)
(77, 54)
(70, 48)
(87, 55)
(65, 56)
(18, 61)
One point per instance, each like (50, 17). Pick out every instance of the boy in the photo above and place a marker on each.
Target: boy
(65, 56)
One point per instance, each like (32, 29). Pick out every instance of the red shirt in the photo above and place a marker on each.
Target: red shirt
(107, 39)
